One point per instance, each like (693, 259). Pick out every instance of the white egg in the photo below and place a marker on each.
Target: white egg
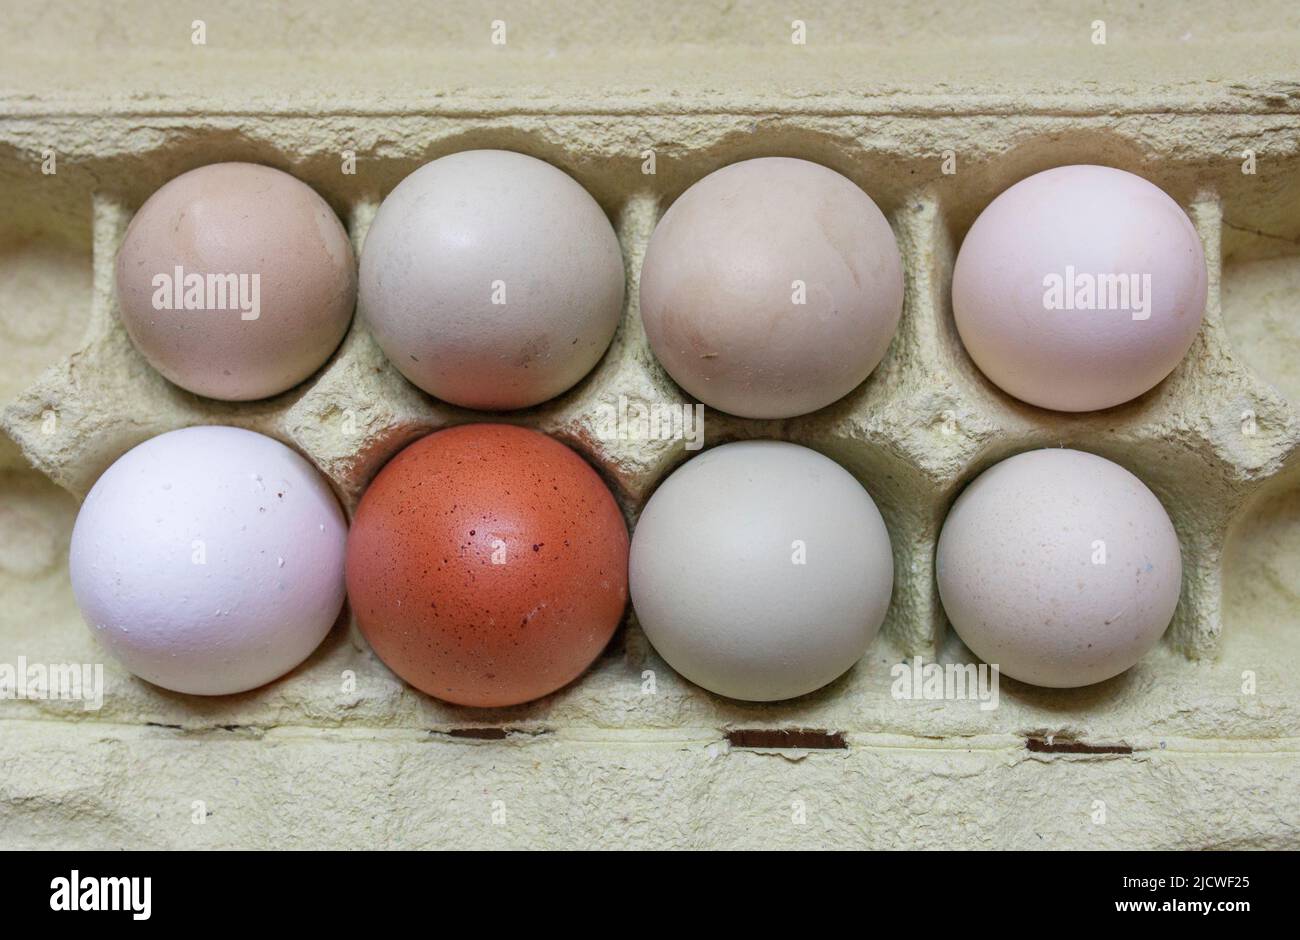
(209, 560)
(1060, 567)
(761, 570)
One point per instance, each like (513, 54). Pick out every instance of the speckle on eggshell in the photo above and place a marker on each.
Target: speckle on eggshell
(449, 579)
(1060, 567)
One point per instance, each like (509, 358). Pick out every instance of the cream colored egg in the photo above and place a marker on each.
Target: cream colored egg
(1060, 567)
(491, 280)
(761, 570)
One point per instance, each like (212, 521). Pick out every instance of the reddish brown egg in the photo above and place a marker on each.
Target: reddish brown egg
(487, 565)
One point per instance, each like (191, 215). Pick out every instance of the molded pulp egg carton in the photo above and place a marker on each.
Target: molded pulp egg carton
(1196, 746)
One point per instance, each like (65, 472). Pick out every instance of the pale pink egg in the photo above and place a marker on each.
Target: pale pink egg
(1079, 288)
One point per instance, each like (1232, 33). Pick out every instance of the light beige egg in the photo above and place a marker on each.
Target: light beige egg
(771, 288)
(1060, 567)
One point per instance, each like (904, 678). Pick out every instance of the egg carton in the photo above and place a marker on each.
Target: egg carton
(1194, 746)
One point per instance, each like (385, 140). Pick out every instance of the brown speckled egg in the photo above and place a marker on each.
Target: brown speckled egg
(487, 565)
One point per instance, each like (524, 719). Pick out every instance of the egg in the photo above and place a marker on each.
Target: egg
(1079, 288)
(487, 565)
(771, 288)
(761, 570)
(209, 560)
(1060, 567)
(491, 280)
(236, 281)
